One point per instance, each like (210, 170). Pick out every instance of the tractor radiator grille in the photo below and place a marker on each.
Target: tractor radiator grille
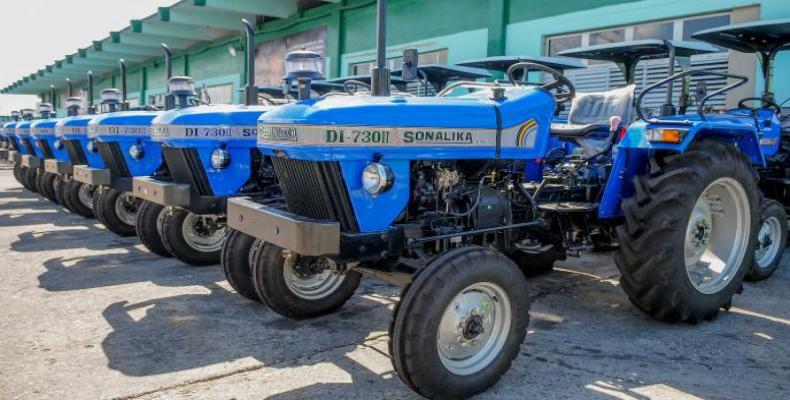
(315, 190)
(28, 146)
(76, 154)
(113, 158)
(186, 167)
(44, 146)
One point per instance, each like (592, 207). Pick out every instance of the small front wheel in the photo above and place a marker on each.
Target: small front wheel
(78, 197)
(116, 210)
(236, 259)
(191, 238)
(460, 323)
(298, 286)
(150, 217)
(771, 240)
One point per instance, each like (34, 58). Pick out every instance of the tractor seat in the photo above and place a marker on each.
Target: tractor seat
(590, 112)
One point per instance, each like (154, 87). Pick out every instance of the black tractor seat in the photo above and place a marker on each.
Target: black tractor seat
(573, 131)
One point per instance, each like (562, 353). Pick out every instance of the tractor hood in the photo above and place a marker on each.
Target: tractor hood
(220, 123)
(469, 126)
(23, 129)
(75, 127)
(44, 128)
(123, 123)
(9, 129)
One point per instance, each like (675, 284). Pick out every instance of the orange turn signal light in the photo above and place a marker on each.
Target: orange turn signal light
(666, 135)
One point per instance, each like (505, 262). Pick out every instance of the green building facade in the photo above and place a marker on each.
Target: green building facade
(205, 35)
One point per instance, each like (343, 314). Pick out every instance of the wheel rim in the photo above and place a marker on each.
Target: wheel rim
(768, 242)
(203, 233)
(474, 328)
(160, 220)
(126, 208)
(311, 278)
(85, 194)
(717, 235)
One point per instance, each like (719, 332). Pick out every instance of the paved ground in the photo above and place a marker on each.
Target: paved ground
(85, 314)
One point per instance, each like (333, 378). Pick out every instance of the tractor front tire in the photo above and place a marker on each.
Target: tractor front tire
(460, 323)
(79, 198)
(116, 210)
(236, 261)
(687, 240)
(150, 218)
(300, 287)
(771, 240)
(189, 241)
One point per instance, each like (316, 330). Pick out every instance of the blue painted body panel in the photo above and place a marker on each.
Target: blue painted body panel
(8, 129)
(130, 128)
(206, 128)
(470, 112)
(22, 131)
(45, 130)
(76, 129)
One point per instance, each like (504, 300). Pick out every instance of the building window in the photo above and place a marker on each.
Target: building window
(606, 37)
(430, 57)
(661, 30)
(692, 26)
(218, 94)
(558, 44)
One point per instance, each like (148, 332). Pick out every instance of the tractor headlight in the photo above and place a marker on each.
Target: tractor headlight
(58, 144)
(377, 178)
(136, 151)
(220, 158)
(92, 146)
(666, 135)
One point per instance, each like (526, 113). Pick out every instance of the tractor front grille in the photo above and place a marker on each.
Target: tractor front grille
(45, 150)
(28, 146)
(185, 167)
(315, 189)
(76, 154)
(112, 155)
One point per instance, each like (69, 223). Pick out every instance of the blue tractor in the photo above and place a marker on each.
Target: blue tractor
(211, 154)
(7, 142)
(122, 138)
(30, 159)
(9, 133)
(432, 194)
(765, 39)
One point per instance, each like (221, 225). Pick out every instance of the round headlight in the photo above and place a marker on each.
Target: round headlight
(377, 178)
(92, 146)
(220, 158)
(57, 144)
(136, 151)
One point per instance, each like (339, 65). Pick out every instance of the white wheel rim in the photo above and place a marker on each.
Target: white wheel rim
(768, 242)
(203, 233)
(717, 235)
(474, 328)
(160, 221)
(310, 285)
(126, 208)
(85, 194)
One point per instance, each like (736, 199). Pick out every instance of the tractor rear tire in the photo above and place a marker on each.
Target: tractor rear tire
(460, 323)
(771, 240)
(290, 286)
(150, 217)
(693, 214)
(236, 261)
(186, 243)
(116, 210)
(76, 202)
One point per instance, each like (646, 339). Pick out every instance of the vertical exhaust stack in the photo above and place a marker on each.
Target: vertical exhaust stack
(70, 87)
(250, 91)
(124, 104)
(380, 74)
(170, 101)
(91, 107)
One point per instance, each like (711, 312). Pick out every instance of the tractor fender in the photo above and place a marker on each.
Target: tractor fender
(632, 155)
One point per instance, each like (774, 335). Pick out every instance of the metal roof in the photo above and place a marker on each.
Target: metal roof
(184, 25)
(502, 63)
(639, 49)
(750, 37)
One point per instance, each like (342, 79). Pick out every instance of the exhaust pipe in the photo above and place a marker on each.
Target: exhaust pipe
(250, 91)
(380, 74)
(70, 87)
(52, 96)
(170, 101)
(91, 107)
(124, 105)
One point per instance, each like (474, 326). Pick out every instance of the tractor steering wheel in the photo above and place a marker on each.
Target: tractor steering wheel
(352, 86)
(560, 81)
(767, 104)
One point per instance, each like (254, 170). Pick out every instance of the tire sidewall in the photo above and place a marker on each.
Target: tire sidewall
(173, 238)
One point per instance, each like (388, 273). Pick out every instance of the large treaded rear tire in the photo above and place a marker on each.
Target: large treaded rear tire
(148, 227)
(652, 239)
(770, 209)
(415, 322)
(269, 277)
(235, 259)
